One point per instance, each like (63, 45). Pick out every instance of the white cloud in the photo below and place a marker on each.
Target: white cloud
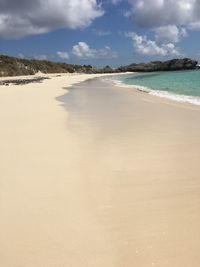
(148, 47)
(63, 55)
(127, 13)
(21, 17)
(20, 55)
(115, 2)
(169, 20)
(83, 51)
(40, 57)
(195, 26)
(101, 33)
(169, 33)
(156, 13)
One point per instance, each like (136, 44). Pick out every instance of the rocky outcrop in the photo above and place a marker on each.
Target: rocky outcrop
(170, 65)
(107, 69)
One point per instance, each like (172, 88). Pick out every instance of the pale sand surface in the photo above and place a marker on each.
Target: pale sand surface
(112, 182)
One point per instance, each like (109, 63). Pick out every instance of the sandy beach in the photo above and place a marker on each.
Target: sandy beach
(99, 176)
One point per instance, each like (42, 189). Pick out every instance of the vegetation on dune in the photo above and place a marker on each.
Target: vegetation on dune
(11, 66)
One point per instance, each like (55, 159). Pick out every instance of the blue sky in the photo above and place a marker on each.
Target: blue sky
(107, 32)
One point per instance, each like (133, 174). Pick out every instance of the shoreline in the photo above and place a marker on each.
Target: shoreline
(162, 94)
(161, 99)
(169, 98)
(97, 176)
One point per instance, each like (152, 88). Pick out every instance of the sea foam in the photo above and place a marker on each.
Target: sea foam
(162, 94)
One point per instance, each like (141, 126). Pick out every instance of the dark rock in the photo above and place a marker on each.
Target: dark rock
(170, 65)
(108, 69)
(23, 81)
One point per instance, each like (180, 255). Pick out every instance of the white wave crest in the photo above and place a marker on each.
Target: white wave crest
(163, 94)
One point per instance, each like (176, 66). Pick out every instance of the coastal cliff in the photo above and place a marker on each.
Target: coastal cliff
(170, 65)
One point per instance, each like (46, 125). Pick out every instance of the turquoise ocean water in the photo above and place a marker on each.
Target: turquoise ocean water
(182, 86)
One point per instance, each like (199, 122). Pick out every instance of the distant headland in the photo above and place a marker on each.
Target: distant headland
(12, 66)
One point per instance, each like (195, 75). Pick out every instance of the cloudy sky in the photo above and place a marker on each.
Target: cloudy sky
(102, 32)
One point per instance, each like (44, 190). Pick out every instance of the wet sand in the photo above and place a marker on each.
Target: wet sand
(114, 181)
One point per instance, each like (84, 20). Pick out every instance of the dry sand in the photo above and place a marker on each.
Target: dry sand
(112, 182)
